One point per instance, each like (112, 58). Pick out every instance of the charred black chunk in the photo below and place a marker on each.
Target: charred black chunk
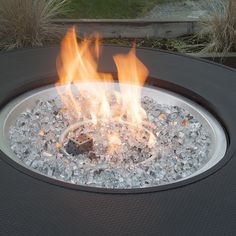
(79, 145)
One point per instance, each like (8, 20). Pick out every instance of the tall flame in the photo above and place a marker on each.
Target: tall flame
(77, 64)
(131, 74)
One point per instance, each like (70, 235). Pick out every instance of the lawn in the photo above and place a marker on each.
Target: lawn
(110, 9)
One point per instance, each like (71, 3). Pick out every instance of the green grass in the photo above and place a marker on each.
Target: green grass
(110, 9)
(174, 45)
(184, 44)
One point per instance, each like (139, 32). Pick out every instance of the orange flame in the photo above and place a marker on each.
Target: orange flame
(77, 64)
(131, 74)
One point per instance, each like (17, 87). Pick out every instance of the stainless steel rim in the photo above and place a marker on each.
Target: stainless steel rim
(218, 146)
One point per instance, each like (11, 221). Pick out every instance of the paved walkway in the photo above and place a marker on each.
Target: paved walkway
(182, 10)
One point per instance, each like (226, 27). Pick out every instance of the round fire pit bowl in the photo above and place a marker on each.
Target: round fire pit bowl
(201, 203)
(202, 148)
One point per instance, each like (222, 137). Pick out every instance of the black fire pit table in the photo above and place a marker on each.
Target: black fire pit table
(203, 203)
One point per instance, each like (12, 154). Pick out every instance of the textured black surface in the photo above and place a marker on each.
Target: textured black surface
(205, 205)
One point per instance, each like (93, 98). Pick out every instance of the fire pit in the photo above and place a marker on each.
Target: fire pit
(69, 169)
(91, 131)
(182, 141)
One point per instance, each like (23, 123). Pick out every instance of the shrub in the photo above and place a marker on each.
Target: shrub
(27, 23)
(220, 27)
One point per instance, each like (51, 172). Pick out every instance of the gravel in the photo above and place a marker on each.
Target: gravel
(181, 146)
(183, 10)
